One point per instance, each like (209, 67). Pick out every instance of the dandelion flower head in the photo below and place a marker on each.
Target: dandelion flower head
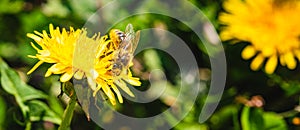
(57, 48)
(74, 54)
(270, 26)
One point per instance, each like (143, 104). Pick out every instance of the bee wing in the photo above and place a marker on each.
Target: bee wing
(135, 41)
(131, 37)
(129, 29)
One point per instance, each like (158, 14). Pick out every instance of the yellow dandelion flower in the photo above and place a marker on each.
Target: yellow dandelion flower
(271, 26)
(85, 54)
(119, 51)
(73, 54)
(57, 48)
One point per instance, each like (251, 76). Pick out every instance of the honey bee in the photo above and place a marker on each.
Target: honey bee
(125, 44)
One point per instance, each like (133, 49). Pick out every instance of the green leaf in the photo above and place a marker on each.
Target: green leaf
(2, 113)
(29, 93)
(6, 83)
(252, 119)
(26, 96)
(39, 111)
(274, 122)
(10, 87)
(12, 84)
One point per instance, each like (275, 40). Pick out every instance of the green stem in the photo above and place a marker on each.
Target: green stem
(68, 114)
(28, 126)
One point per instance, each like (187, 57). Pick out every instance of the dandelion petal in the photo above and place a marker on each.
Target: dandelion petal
(248, 52)
(271, 64)
(66, 76)
(290, 60)
(257, 62)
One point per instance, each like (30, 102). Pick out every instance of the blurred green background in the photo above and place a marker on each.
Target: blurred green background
(279, 92)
